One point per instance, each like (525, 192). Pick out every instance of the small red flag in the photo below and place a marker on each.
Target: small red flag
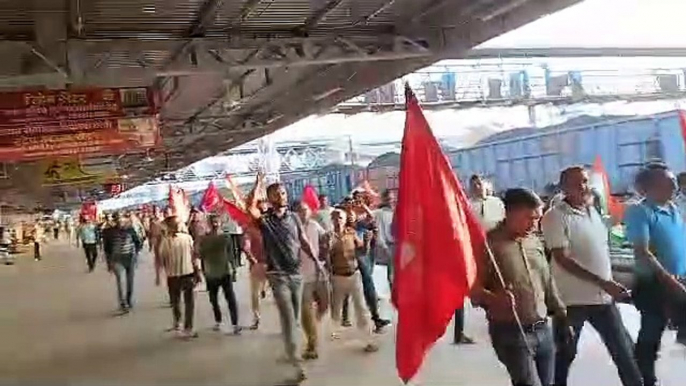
(310, 198)
(614, 207)
(237, 214)
(438, 238)
(211, 198)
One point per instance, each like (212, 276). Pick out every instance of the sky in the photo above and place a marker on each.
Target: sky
(603, 23)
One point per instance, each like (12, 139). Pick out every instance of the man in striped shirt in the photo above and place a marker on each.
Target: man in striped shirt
(177, 259)
(121, 248)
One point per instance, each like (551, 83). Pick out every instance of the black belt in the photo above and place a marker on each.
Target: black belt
(527, 327)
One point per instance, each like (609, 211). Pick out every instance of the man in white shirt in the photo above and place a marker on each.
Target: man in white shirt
(577, 237)
(489, 209)
(311, 277)
(323, 215)
(384, 248)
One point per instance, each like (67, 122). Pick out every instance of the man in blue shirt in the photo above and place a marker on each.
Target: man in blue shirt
(658, 233)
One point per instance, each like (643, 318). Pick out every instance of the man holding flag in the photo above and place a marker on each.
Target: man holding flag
(437, 238)
(517, 291)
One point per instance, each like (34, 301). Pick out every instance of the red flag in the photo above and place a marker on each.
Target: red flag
(614, 207)
(237, 214)
(235, 192)
(438, 239)
(310, 198)
(211, 198)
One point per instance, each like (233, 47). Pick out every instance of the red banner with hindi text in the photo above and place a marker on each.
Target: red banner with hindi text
(55, 123)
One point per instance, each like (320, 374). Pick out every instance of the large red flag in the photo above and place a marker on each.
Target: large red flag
(310, 198)
(211, 198)
(438, 239)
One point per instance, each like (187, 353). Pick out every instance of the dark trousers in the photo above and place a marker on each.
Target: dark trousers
(459, 325)
(524, 368)
(226, 285)
(657, 306)
(91, 251)
(370, 295)
(179, 285)
(36, 250)
(607, 321)
(237, 249)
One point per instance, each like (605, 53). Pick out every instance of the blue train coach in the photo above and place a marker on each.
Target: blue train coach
(533, 158)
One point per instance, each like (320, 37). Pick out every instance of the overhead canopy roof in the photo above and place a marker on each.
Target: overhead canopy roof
(234, 70)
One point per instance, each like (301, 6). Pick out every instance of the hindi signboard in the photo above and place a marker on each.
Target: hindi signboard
(35, 125)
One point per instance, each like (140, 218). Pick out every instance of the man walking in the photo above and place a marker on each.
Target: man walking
(183, 274)
(121, 248)
(490, 211)
(87, 235)
(214, 249)
(284, 238)
(656, 229)
(311, 277)
(577, 238)
(528, 290)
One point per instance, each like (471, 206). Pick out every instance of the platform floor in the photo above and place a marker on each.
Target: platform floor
(58, 325)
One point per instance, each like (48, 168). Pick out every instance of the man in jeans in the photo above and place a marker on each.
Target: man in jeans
(528, 290)
(284, 239)
(576, 236)
(656, 229)
(121, 248)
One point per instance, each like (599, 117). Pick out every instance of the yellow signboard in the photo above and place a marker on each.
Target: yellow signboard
(72, 171)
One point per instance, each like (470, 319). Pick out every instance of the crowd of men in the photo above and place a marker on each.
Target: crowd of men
(547, 270)
(559, 268)
(315, 262)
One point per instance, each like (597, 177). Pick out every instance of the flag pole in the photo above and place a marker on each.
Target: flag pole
(501, 279)
(409, 95)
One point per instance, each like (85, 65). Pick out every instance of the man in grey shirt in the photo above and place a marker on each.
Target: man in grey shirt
(284, 237)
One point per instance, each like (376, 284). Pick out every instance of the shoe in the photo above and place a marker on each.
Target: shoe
(346, 323)
(310, 355)
(371, 347)
(299, 378)
(189, 334)
(123, 310)
(175, 328)
(464, 339)
(255, 325)
(237, 330)
(380, 325)
(217, 327)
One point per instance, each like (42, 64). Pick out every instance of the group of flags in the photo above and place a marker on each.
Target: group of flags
(439, 239)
